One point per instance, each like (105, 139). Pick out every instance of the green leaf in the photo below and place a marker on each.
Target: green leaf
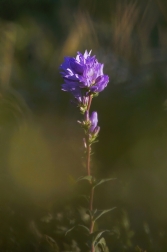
(84, 197)
(84, 214)
(102, 212)
(102, 181)
(98, 236)
(89, 178)
(69, 230)
(102, 242)
(102, 245)
(92, 213)
(83, 226)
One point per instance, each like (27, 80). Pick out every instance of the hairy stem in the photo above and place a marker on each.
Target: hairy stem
(88, 157)
(89, 174)
(89, 102)
(91, 219)
(91, 199)
(87, 140)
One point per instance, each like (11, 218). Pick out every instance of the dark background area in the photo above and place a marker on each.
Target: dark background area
(41, 142)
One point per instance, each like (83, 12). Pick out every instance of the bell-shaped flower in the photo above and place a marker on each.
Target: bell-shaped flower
(83, 75)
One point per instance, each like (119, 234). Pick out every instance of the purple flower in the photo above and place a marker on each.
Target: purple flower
(83, 75)
(94, 129)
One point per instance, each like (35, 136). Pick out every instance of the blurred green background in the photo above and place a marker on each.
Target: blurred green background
(41, 142)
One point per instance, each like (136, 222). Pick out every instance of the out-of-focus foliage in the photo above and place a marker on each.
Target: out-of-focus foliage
(41, 143)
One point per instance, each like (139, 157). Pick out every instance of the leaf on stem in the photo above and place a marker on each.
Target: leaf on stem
(98, 215)
(102, 245)
(83, 226)
(89, 178)
(97, 237)
(69, 230)
(84, 197)
(79, 225)
(103, 181)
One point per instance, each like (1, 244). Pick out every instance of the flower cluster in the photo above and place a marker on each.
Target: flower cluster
(83, 76)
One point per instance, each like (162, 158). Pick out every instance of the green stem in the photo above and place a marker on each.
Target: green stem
(89, 102)
(91, 208)
(89, 174)
(88, 157)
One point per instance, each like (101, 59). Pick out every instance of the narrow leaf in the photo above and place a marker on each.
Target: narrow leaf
(84, 197)
(86, 228)
(98, 236)
(103, 212)
(89, 178)
(69, 230)
(103, 181)
(102, 244)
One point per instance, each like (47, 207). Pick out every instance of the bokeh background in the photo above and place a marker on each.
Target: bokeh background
(41, 143)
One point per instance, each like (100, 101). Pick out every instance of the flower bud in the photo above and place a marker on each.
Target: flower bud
(94, 121)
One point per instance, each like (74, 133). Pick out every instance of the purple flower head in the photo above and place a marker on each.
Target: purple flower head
(94, 129)
(83, 75)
